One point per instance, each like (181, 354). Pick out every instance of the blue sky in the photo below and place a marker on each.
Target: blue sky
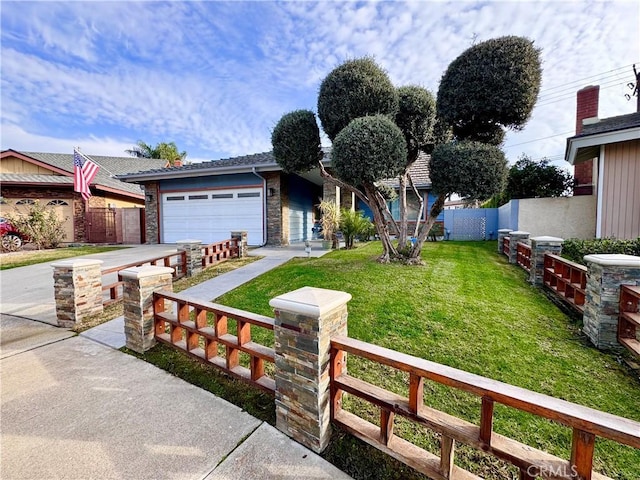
(215, 77)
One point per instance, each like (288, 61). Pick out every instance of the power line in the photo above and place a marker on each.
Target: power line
(586, 78)
(538, 139)
(572, 90)
(566, 97)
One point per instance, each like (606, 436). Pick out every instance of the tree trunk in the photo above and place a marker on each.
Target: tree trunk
(378, 209)
(436, 208)
(402, 200)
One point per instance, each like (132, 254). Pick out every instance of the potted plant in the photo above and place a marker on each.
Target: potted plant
(330, 222)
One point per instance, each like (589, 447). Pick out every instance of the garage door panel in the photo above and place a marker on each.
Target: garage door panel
(212, 219)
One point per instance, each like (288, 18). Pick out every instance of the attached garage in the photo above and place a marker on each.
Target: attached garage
(211, 215)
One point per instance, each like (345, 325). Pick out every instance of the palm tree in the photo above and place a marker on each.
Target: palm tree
(164, 150)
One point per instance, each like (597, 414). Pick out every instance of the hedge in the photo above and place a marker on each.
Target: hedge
(575, 249)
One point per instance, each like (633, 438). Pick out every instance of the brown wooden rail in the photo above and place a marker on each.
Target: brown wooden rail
(629, 320)
(219, 252)
(587, 424)
(567, 279)
(197, 328)
(176, 260)
(524, 256)
(506, 243)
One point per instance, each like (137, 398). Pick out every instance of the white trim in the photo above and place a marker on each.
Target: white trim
(599, 193)
(575, 144)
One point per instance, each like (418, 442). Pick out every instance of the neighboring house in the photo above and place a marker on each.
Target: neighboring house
(206, 201)
(606, 158)
(110, 215)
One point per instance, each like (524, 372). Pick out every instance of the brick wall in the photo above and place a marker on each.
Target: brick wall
(586, 107)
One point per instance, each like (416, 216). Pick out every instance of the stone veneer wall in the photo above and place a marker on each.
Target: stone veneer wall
(151, 201)
(77, 286)
(305, 321)
(139, 285)
(274, 208)
(605, 274)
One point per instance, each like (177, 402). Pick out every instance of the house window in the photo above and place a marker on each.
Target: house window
(169, 199)
(221, 195)
(26, 201)
(198, 197)
(249, 194)
(54, 203)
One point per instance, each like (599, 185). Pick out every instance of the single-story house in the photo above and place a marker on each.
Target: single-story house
(111, 215)
(206, 201)
(606, 157)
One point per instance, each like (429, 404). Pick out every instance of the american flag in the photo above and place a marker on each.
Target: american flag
(84, 170)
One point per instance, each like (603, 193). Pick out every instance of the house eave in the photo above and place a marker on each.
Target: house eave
(580, 149)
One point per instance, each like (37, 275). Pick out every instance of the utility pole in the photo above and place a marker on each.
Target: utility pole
(634, 87)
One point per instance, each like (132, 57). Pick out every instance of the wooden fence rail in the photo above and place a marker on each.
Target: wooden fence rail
(219, 252)
(200, 328)
(629, 320)
(567, 279)
(506, 245)
(524, 255)
(586, 423)
(177, 261)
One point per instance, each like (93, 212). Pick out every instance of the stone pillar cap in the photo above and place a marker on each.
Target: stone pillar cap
(547, 239)
(518, 232)
(190, 240)
(79, 262)
(503, 230)
(145, 271)
(310, 301)
(613, 260)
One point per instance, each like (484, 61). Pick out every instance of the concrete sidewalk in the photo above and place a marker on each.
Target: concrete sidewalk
(73, 408)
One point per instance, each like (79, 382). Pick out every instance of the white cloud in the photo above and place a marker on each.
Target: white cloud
(216, 76)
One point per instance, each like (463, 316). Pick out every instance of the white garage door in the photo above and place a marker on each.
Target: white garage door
(211, 215)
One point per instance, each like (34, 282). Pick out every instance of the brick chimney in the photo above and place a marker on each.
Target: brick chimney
(586, 107)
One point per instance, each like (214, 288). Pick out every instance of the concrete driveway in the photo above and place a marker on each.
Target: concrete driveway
(28, 291)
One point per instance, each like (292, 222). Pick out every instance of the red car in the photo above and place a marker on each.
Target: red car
(12, 239)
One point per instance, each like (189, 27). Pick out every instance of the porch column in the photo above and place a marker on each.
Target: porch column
(305, 320)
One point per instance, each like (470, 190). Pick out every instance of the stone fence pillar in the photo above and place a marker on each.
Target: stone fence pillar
(503, 232)
(540, 246)
(194, 255)
(517, 236)
(243, 248)
(605, 274)
(305, 321)
(139, 285)
(77, 286)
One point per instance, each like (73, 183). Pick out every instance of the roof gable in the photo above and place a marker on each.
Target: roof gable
(105, 179)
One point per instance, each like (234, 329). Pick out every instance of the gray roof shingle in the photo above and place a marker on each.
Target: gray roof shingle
(109, 168)
(611, 124)
(419, 172)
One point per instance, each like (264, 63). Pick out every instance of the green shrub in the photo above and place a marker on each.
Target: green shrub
(353, 224)
(42, 225)
(575, 249)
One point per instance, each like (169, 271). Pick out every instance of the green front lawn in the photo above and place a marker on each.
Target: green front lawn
(467, 308)
(31, 257)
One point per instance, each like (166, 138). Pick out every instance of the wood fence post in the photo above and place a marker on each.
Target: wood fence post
(305, 321)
